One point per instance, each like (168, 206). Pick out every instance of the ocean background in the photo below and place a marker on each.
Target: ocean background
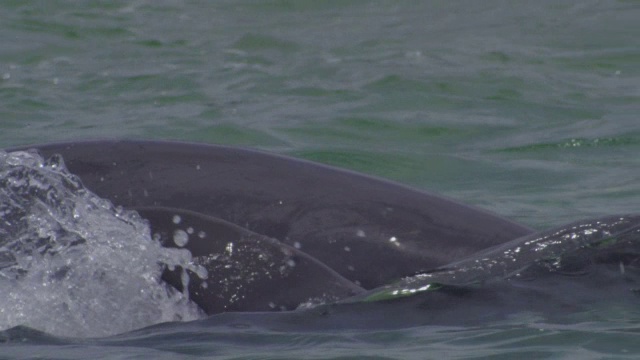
(527, 109)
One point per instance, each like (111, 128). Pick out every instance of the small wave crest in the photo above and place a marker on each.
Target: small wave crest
(73, 264)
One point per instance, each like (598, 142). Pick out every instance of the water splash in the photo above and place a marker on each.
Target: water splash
(73, 264)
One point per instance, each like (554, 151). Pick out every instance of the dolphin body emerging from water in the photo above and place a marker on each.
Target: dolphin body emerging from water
(327, 233)
(275, 232)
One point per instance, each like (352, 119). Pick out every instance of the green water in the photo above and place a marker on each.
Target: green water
(528, 109)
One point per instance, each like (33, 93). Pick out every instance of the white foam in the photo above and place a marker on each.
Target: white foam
(72, 264)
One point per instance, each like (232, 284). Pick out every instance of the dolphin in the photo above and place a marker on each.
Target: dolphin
(328, 233)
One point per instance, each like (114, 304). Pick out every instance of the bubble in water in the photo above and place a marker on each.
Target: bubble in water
(72, 264)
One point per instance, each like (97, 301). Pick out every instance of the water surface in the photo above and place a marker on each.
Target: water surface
(527, 109)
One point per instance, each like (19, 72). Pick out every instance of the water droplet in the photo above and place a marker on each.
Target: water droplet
(180, 238)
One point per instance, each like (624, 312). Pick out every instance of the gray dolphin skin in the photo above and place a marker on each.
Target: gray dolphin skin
(584, 249)
(324, 233)
(248, 271)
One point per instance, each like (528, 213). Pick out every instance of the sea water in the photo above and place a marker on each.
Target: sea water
(528, 109)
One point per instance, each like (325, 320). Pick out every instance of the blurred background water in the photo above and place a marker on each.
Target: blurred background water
(528, 109)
